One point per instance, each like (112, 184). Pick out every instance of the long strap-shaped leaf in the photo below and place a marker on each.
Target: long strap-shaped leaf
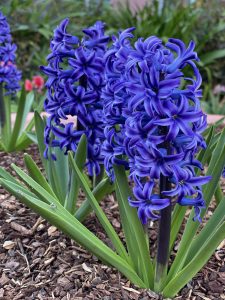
(4, 174)
(99, 212)
(73, 188)
(215, 169)
(24, 140)
(36, 174)
(186, 274)
(63, 220)
(177, 220)
(217, 218)
(133, 229)
(39, 129)
(36, 188)
(6, 129)
(218, 194)
(24, 106)
(100, 191)
(179, 212)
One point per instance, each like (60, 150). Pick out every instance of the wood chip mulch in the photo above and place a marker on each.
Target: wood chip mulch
(39, 262)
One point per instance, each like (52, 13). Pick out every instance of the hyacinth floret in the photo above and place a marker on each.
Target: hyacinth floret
(9, 74)
(75, 80)
(115, 99)
(155, 107)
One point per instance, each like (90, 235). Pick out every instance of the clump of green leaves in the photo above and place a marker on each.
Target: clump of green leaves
(133, 259)
(186, 22)
(32, 24)
(14, 134)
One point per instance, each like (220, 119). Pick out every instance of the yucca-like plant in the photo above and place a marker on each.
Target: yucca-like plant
(139, 118)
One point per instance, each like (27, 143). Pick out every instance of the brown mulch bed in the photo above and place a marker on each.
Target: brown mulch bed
(39, 262)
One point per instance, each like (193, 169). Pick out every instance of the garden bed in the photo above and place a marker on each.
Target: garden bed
(39, 262)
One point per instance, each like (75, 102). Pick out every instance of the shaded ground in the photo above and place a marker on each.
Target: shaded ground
(39, 262)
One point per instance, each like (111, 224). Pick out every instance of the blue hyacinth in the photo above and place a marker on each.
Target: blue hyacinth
(9, 74)
(137, 107)
(154, 121)
(75, 80)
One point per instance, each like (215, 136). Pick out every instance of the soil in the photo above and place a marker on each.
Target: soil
(39, 262)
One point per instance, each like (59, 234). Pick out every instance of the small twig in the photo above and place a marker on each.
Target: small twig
(22, 253)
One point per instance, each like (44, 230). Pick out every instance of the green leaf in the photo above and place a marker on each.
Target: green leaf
(6, 130)
(2, 146)
(215, 220)
(15, 188)
(36, 174)
(177, 220)
(24, 106)
(36, 188)
(24, 140)
(45, 32)
(218, 194)
(39, 129)
(179, 212)
(99, 212)
(215, 168)
(58, 173)
(6, 175)
(133, 229)
(187, 273)
(100, 191)
(210, 57)
(63, 220)
(203, 154)
(32, 136)
(73, 188)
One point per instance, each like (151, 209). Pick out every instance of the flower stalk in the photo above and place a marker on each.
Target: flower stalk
(164, 227)
(164, 239)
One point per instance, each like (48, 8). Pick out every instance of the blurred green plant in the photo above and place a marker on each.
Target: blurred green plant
(214, 104)
(32, 23)
(13, 135)
(186, 22)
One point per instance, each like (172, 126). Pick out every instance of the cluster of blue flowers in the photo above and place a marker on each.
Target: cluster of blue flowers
(9, 74)
(137, 108)
(155, 121)
(75, 80)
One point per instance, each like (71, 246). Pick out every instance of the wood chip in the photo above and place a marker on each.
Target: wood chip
(131, 290)
(23, 230)
(48, 261)
(8, 245)
(202, 296)
(51, 230)
(1, 293)
(221, 245)
(4, 279)
(86, 268)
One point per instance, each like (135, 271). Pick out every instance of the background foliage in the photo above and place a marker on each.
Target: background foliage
(32, 23)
